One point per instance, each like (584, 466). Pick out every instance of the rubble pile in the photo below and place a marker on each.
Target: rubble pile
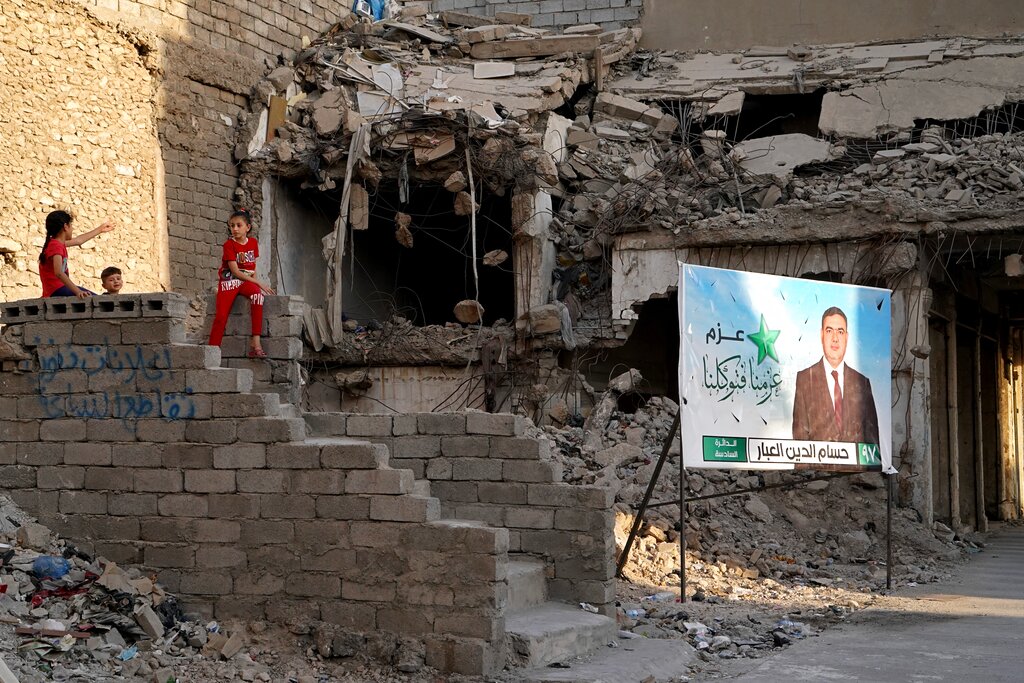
(675, 187)
(67, 616)
(948, 171)
(77, 618)
(421, 91)
(763, 568)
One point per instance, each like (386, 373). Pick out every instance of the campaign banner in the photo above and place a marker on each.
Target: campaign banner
(783, 373)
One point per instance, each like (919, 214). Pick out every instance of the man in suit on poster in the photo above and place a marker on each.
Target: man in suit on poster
(833, 401)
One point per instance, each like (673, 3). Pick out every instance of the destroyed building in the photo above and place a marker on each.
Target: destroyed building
(551, 197)
(480, 211)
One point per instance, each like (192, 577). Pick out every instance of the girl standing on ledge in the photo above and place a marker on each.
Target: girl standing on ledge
(53, 259)
(238, 276)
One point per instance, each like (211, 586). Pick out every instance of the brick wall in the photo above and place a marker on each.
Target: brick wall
(213, 53)
(79, 133)
(610, 14)
(482, 467)
(142, 448)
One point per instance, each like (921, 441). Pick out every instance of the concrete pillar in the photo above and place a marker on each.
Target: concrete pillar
(534, 260)
(912, 437)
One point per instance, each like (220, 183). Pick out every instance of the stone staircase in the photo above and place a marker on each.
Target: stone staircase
(540, 631)
(196, 462)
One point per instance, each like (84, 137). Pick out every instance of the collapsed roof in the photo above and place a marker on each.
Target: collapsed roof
(593, 138)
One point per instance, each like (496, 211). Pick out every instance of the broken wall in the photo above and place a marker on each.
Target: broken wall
(554, 13)
(212, 53)
(146, 450)
(80, 134)
(740, 24)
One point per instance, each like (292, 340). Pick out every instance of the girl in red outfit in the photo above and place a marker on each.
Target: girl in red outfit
(53, 259)
(238, 276)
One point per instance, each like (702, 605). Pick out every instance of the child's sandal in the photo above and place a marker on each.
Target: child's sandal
(257, 353)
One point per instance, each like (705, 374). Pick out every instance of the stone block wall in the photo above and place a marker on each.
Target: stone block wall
(143, 448)
(78, 114)
(482, 467)
(610, 14)
(281, 338)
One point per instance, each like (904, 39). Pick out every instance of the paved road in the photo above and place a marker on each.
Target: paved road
(969, 630)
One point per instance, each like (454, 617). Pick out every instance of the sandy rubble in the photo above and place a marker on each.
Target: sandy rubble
(763, 569)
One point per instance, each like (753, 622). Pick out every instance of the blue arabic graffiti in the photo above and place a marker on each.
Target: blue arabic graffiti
(126, 366)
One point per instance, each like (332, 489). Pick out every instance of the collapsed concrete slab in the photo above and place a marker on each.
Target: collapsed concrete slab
(779, 155)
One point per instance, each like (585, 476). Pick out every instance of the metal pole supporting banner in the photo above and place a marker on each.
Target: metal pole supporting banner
(638, 518)
(888, 531)
(683, 522)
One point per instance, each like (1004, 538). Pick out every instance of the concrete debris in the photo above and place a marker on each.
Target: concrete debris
(469, 312)
(329, 111)
(456, 182)
(780, 155)
(464, 204)
(402, 232)
(746, 554)
(359, 208)
(495, 257)
(493, 69)
(541, 320)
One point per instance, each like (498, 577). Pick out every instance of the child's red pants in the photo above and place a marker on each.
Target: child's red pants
(226, 297)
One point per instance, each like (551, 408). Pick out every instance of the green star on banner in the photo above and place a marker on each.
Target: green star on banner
(764, 339)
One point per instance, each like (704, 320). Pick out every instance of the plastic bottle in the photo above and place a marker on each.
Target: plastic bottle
(664, 596)
(635, 613)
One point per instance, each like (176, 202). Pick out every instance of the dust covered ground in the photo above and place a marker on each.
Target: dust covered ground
(764, 568)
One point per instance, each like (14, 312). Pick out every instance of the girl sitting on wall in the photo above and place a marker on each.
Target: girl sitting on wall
(237, 275)
(53, 259)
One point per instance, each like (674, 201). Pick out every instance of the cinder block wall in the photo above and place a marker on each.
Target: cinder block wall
(610, 14)
(141, 448)
(481, 467)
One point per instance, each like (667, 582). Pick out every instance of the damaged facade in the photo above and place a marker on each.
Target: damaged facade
(593, 172)
(486, 213)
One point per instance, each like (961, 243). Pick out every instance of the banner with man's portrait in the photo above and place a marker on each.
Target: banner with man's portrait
(783, 373)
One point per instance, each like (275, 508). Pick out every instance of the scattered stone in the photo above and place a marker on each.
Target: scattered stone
(456, 182)
(33, 536)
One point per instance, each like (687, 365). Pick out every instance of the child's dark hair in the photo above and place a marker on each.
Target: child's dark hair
(55, 222)
(241, 212)
(108, 271)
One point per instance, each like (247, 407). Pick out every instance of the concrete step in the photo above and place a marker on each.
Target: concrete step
(288, 410)
(325, 424)
(421, 487)
(340, 452)
(639, 660)
(555, 632)
(527, 583)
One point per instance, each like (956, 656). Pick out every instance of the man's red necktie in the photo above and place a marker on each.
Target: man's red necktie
(837, 399)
